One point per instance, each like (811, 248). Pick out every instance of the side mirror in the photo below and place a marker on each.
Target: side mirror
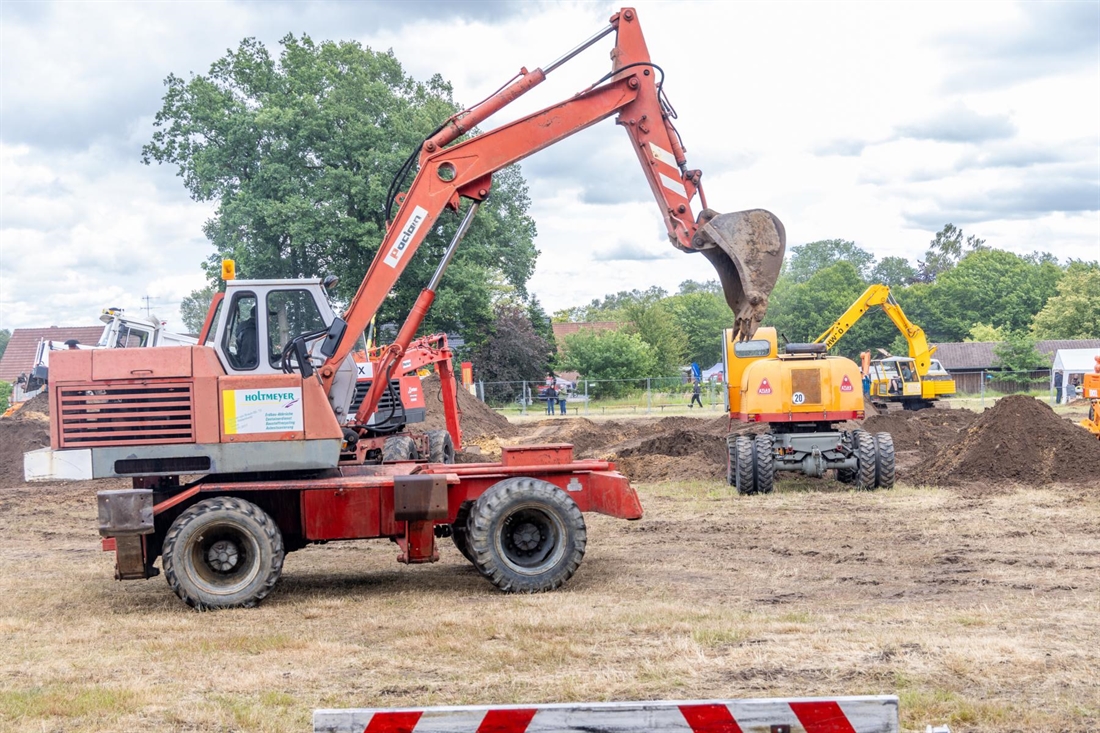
(333, 336)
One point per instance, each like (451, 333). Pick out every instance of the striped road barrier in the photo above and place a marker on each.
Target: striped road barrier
(870, 714)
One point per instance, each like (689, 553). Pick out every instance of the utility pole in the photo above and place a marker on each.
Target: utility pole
(148, 313)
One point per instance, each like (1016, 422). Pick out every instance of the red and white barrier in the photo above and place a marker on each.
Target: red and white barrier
(872, 714)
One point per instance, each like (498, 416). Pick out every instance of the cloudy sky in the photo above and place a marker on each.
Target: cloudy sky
(875, 122)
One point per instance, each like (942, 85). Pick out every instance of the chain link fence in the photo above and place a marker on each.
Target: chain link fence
(651, 395)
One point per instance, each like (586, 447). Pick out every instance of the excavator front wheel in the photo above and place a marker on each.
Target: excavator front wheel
(223, 553)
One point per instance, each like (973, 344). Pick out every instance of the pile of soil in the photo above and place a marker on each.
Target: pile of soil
(1018, 440)
(478, 420)
(28, 428)
(926, 431)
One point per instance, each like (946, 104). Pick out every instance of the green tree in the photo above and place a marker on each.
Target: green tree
(194, 308)
(5, 396)
(994, 287)
(806, 259)
(609, 355)
(1074, 313)
(512, 352)
(701, 316)
(983, 332)
(691, 287)
(945, 251)
(1018, 357)
(5, 336)
(299, 153)
(652, 320)
(893, 271)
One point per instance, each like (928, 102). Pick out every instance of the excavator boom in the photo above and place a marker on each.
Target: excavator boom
(745, 247)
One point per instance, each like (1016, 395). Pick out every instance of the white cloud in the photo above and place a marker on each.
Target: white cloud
(809, 110)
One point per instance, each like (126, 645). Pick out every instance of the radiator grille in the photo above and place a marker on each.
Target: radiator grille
(386, 405)
(808, 382)
(125, 414)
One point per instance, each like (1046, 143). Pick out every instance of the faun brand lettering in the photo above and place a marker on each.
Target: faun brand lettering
(397, 251)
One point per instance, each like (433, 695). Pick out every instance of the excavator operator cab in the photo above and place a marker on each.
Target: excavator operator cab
(258, 319)
(895, 376)
(738, 355)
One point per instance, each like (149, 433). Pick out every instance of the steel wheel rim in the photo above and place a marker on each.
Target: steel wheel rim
(531, 539)
(223, 559)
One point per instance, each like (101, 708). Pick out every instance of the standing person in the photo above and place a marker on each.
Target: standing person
(551, 398)
(561, 401)
(696, 392)
(1058, 388)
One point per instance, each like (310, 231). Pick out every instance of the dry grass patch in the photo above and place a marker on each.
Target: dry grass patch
(980, 612)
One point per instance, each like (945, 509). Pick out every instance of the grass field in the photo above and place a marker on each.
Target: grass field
(982, 612)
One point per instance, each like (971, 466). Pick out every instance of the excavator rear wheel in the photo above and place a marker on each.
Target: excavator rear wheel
(885, 462)
(765, 464)
(526, 535)
(744, 473)
(441, 449)
(865, 454)
(400, 448)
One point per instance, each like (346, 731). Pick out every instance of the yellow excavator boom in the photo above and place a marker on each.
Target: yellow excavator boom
(877, 294)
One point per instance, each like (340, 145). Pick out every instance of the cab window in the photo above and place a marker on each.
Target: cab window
(129, 338)
(290, 313)
(752, 349)
(213, 325)
(241, 340)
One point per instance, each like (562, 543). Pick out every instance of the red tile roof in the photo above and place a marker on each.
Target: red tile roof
(565, 329)
(19, 356)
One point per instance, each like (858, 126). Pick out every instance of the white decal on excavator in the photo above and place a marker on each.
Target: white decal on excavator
(663, 155)
(673, 185)
(397, 251)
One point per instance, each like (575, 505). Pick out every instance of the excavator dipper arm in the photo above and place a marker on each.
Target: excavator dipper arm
(747, 247)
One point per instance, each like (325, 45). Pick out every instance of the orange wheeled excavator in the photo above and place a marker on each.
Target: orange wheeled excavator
(259, 414)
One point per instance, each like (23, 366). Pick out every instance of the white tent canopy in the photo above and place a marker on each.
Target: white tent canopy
(1068, 362)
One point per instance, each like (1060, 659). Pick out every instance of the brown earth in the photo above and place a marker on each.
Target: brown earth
(26, 429)
(477, 419)
(920, 436)
(1020, 440)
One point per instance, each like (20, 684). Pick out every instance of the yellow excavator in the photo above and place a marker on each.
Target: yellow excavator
(915, 382)
(1091, 391)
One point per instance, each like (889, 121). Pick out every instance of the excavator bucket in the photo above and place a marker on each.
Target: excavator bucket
(746, 248)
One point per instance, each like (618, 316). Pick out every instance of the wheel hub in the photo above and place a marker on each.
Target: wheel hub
(526, 537)
(223, 556)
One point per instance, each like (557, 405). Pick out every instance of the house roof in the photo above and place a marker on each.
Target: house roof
(19, 355)
(979, 354)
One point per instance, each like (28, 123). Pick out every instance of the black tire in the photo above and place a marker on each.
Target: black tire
(865, 454)
(400, 448)
(848, 475)
(441, 449)
(744, 473)
(526, 535)
(731, 460)
(223, 553)
(885, 461)
(459, 532)
(765, 464)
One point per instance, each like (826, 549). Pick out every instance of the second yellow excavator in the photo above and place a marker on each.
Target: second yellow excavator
(916, 381)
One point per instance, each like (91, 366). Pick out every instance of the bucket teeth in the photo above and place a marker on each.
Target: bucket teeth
(746, 248)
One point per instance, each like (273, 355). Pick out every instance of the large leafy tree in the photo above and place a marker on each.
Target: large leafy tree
(807, 259)
(1074, 313)
(617, 360)
(701, 316)
(194, 308)
(945, 251)
(996, 288)
(5, 335)
(299, 153)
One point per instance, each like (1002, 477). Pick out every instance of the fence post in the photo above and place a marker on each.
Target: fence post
(983, 388)
(586, 397)
(481, 389)
(648, 397)
(523, 399)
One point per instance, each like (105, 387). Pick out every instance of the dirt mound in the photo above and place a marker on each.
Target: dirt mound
(477, 419)
(926, 431)
(35, 408)
(26, 429)
(1018, 440)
